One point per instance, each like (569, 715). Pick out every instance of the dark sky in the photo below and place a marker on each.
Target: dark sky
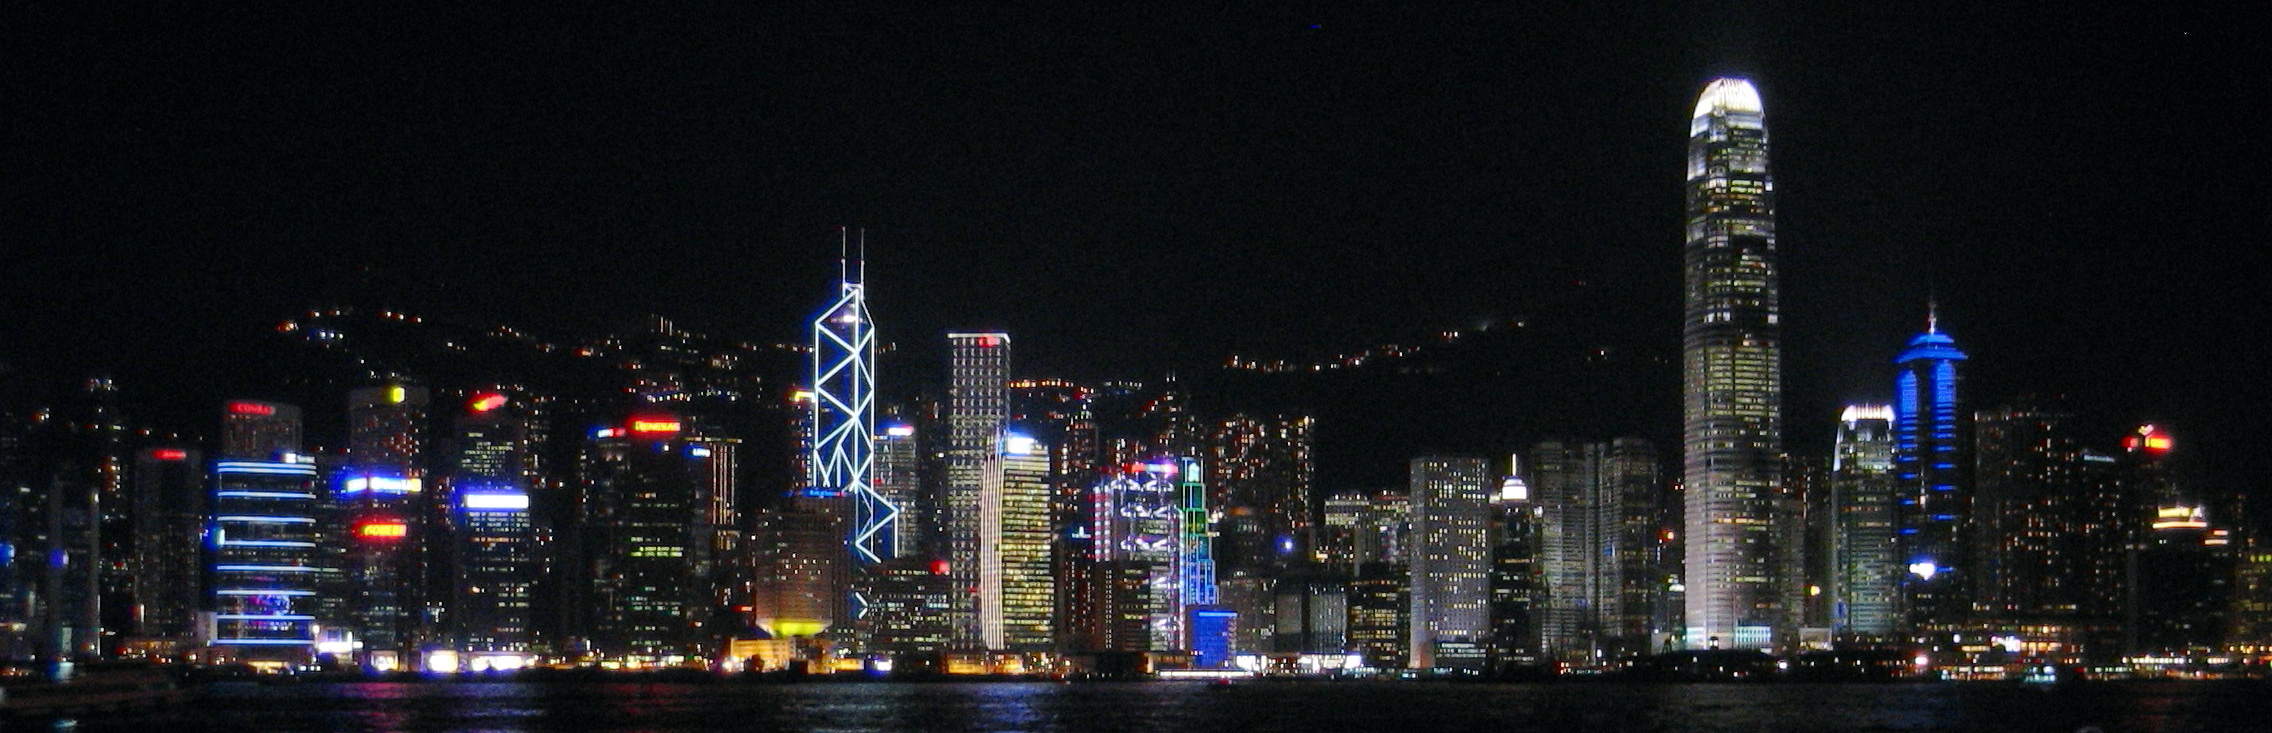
(1150, 189)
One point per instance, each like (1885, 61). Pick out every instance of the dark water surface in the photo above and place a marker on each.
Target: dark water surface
(1179, 707)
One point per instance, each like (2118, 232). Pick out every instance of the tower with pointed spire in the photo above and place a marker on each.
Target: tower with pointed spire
(1932, 459)
(844, 413)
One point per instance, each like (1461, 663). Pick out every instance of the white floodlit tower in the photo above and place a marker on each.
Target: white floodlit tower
(844, 418)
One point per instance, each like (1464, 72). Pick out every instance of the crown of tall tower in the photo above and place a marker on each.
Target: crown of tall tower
(1729, 94)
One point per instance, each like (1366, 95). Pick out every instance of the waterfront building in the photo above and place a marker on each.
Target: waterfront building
(1021, 550)
(2053, 524)
(1932, 461)
(1518, 585)
(493, 551)
(1451, 511)
(1601, 521)
(169, 518)
(265, 567)
(977, 413)
(649, 531)
(1732, 392)
(383, 499)
(1865, 559)
(843, 421)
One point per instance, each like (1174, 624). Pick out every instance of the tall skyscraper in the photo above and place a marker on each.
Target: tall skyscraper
(265, 568)
(1022, 548)
(650, 531)
(493, 539)
(169, 523)
(1865, 564)
(843, 459)
(1732, 391)
(898, 481)
(383, 495)
(1451, 562)
(1518, 594)
(1259, 473)
(1601, 519)
(1932, 457)
(978, 407)
(258, 431)
(2053, 524)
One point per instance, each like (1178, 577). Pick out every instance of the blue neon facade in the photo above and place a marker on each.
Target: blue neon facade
(1930, 458)
(844, 422)
(265, 571)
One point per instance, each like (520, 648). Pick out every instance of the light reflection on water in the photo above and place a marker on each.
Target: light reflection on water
(1304, 707)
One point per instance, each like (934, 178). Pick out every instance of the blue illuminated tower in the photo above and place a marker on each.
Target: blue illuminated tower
(1930, 455)
(263, 537)
(844, 419)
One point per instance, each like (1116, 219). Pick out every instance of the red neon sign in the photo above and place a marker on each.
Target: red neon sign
(251, 408)
(169, 454)
(487, 401)
(988, 342)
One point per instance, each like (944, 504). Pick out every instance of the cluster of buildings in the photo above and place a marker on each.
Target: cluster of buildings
(682, 516)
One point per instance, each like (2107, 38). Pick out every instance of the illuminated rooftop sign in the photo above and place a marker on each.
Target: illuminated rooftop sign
(487, 401)
(379, 485)
(169, 454)
(494, 502)
(654, 426)
(251, 408)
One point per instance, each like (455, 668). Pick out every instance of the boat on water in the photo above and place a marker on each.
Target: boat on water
(90, 693)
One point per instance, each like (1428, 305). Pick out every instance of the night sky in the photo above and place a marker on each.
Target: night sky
(1140, 191)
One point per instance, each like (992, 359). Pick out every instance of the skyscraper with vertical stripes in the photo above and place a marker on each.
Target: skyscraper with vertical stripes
(843, 459)
(1732, 391)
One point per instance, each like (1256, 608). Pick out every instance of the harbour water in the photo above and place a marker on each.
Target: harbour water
(1195, 707)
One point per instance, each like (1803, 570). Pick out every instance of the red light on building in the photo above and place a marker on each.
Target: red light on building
(487, 401)
(2149, 438)
(170, 454)
(383, 531)
(988, 342)
(651, 426)
(251, 408)
(940, 567)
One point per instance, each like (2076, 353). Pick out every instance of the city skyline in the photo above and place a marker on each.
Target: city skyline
(2035, 177)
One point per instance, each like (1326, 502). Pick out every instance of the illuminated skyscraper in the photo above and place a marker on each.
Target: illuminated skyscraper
(265, 569)
(899, 483)
(1022, 548)
(1865, 564)
(650, 529)
(978, 406)
(493, 542)
(1732, 392)
(1451, 562)
(1601, 509)
(1517, 594)
(843, 459)
(2052, 528)
(383, 495)
(1259, 471)
(259, 431)
(1932, 456)
(169, 522)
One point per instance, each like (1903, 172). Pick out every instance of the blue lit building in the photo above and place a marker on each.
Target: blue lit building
(1931, 458)
(264, 572)
(843, 458)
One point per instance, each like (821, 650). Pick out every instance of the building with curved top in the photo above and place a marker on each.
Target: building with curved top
(1738, 592)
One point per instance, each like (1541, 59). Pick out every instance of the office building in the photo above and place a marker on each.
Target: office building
(1021, 550)
(1601, 523)
(265, 567)
(1932, 461)
(1864, 579)
(493, 539)
(2053, 524)
(843, 422)
(1259, 474)
(1451, 562)
(977, 412)
(169, 517)
(1732, 391)
(1518, 584)
(383, 499)
(649, 528)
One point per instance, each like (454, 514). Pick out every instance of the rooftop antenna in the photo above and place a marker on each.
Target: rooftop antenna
(843, 271)
(863, 251)
(1932, 311)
